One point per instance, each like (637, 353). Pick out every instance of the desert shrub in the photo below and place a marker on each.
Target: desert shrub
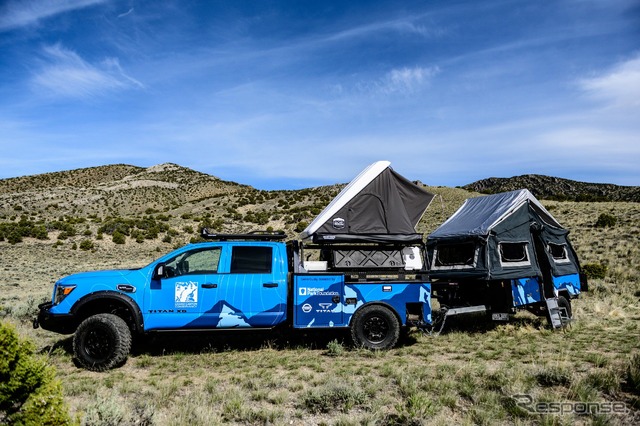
(606, 220)
(301, 226)
(14, 237)
(261, 217)
(118, 224)
(118, 237)
(15, 232)
(29, 391)
(333, 396)
(211, 225)
(335, 348)
(595, 270)
(86, 245)
(66, 228)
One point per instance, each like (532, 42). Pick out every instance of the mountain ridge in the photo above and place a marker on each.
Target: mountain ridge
(558, 189)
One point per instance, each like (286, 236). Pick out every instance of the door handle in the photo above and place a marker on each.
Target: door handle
(209, 285)
(270, 285)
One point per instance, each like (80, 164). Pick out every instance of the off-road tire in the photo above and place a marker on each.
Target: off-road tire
(102, 342)
(375, 327)
(563, 302)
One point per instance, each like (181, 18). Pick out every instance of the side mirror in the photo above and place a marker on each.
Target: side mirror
(159, 272)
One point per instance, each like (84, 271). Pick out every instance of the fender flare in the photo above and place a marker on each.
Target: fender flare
(378, 303)
(127, 301)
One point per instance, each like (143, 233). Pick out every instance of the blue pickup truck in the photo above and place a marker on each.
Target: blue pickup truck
(236, 281)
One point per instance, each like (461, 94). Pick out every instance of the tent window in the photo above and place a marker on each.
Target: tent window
(458, 256)
(558, 252)
(514, 254)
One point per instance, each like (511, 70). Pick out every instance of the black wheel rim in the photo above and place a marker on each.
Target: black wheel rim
(98, 344)
(375, 328)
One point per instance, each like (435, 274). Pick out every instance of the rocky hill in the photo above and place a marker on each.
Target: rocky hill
(553, 188)
(166, 200)
(168, 204)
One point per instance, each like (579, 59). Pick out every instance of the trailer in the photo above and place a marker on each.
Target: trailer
(501, 253)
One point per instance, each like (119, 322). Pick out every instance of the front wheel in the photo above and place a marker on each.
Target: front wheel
(375, 327)
(101, 342)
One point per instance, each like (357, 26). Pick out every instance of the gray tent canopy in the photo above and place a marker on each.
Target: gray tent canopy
(379, 206)
(506, 235)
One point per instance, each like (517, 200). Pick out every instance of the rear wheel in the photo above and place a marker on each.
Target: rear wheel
(101, 342)
(375, 327)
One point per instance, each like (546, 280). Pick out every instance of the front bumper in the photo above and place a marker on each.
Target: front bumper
(58, 323)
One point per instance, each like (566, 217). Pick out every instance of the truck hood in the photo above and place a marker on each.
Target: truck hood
(98, 276)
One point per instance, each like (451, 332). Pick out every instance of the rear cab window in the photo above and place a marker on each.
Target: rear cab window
(251, 260)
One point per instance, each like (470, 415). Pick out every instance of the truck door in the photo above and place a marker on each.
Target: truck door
(174, 300)
(252, 290)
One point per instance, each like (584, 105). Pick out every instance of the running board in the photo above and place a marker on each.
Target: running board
(465, 310)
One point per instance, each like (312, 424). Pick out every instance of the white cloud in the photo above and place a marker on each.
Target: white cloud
(620, 87)
(408, 80)
(67, 74)
(405, 25)
(19, 13)
(402, 81)
(129, 12)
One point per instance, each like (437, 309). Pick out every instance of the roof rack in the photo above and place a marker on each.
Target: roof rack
(253, 235)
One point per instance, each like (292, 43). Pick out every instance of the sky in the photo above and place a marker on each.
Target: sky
(293, 94)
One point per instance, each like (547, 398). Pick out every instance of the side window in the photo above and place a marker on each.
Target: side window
(558, 252)
(202, 261)
(251, 260)
(514, 254)
(455, 256)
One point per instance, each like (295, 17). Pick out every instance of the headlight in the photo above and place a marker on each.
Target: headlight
(62, 291)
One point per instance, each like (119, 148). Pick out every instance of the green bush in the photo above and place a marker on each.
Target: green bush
(15, 232)
(595, 270)
(605, 220)
(86, 245)
(301, 226)
(118, 237)
(30, 394)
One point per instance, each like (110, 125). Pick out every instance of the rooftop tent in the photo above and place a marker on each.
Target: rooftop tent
(379, 205)
(506, 235)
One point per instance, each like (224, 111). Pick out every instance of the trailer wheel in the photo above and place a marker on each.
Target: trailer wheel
(101, 342)
(563, 302)
(375, 327)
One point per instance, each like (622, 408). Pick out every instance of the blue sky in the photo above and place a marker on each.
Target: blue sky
(290, 94)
